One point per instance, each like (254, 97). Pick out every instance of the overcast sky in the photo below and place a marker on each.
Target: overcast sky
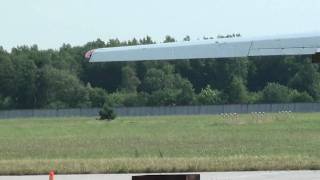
(50, 23)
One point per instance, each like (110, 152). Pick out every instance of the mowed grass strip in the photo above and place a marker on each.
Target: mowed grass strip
(160, 144)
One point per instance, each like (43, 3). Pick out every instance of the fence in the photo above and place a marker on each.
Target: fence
(170, 110)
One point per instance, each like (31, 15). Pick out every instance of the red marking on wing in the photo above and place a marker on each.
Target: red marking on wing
(88, 54)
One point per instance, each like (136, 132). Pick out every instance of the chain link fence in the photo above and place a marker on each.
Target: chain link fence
(165, 110)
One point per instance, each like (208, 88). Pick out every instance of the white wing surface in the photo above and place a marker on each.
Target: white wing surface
(221, 48)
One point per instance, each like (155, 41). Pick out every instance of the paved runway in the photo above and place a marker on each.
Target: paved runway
(261, 175)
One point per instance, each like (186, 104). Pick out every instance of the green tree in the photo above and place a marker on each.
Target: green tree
(237, 91)
(209, 96)
(262, 70)
(6, 102)
(187, 38)
(25, 78)
(133, 42)
(97, 96)
(186, 94)
(300, 97)
(169, 39)
(307, 79)
(163, 97)
(6, 75)
(167, 88)
(121, 98)
(130, 81)
(155, 79)
(64, 89)
(275, 93)
(146, 40)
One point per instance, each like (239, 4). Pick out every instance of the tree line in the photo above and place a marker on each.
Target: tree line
(63, 78)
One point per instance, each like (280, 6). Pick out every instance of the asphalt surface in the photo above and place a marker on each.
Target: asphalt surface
(261, 175)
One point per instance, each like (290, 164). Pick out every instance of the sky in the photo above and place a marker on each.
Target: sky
(50, 23)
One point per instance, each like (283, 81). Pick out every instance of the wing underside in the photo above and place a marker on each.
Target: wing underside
(225, 48)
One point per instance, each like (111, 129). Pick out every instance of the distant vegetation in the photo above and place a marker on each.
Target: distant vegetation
(33, 78)
(230, 142)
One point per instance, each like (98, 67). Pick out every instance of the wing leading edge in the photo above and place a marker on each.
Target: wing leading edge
(222, 48)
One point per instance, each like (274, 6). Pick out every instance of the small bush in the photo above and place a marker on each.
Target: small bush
(276, 93)
(209, 96)
(107, 113)
(300, 96)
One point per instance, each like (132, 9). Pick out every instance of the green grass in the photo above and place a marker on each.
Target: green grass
(160, 144)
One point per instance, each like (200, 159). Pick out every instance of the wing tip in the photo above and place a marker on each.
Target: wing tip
(89, 54)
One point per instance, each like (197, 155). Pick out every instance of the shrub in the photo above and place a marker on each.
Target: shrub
(121, 98)
(97, 96)
(107, 113)
(276, 93)
(254, 97)
(300, 97)
(209, 96)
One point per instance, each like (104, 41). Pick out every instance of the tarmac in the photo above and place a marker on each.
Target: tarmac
(252, 175)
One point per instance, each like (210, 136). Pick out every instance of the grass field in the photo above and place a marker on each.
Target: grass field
(160, 144)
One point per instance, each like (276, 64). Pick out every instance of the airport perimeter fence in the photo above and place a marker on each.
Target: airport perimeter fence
(165, 110)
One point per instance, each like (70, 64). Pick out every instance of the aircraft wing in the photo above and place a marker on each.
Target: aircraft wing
(216, 48)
